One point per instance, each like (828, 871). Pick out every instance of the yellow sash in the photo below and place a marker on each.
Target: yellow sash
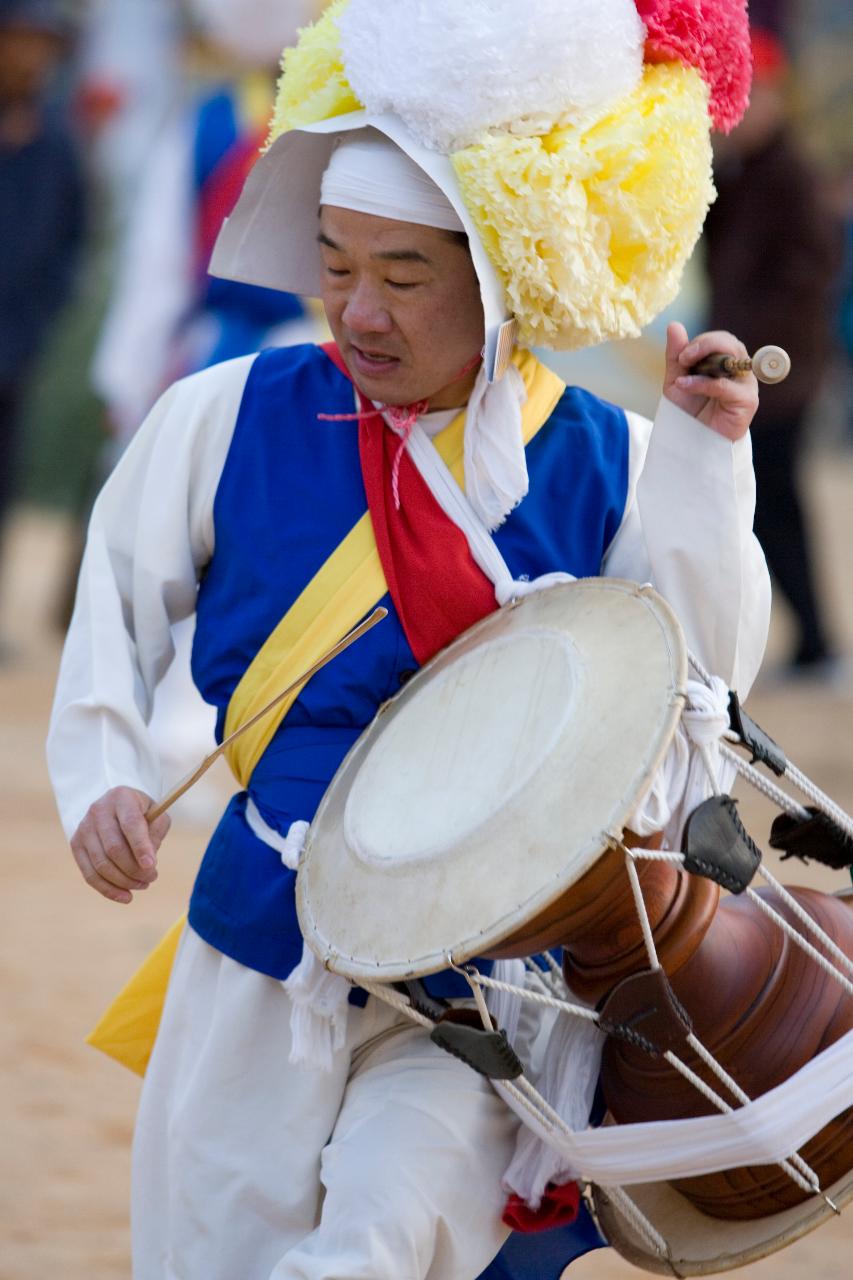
(343, 590)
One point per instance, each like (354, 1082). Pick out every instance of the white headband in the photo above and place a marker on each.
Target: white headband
(370, 174)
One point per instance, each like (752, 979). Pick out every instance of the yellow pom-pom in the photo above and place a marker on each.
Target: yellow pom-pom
(589, 226)
(313, 85)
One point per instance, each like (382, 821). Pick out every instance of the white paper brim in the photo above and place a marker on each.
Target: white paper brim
(271, 237)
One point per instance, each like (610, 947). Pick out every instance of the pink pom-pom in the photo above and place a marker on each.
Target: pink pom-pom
(713, 37)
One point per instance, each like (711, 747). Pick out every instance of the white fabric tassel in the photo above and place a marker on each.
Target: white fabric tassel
(681, 783)
(319, 999)
(504, 1006)
(495, 464)
(566, 1061)
(318, 1018)
(294, 843)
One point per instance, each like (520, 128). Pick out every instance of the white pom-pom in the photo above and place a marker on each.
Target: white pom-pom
(454, 69)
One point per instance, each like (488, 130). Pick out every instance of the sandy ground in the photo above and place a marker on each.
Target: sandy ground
(68, 1112)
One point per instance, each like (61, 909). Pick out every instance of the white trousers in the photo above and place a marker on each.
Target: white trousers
(247, 1168)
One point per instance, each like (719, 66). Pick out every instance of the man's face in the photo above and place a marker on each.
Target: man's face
(27, 60)
(403, 304)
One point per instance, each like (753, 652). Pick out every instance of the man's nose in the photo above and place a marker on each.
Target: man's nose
(364, 312)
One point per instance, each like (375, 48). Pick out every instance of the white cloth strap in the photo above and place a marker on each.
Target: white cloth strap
(319, 999)
(457, 506)
(764, 1131)
(496, 477)
(289, 846)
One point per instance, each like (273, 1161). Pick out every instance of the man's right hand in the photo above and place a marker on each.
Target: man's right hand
(114, 846)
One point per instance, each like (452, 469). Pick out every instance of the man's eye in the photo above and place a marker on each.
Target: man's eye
(337, 271)
(403, 284)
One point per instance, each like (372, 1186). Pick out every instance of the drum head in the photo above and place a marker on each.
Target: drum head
(703, 1246)
(490, 784)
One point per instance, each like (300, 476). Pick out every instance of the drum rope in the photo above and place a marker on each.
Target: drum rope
(639, 901)
(524, 1093)
(720, 1103)
(536, 997)
(544, 980)
(795, 1168)
(797, 938)
(550, 980)
(662, 855)
(556, 969)
(480, 1001)
(397, 1001)
(529, 1099)
(657, 855)
(800, 912)
(795, 775)
(701, 671)
(533, 1101)
(557, 979)
(743, 1098)
(638, 1220)
(767, 788)
(812, 792)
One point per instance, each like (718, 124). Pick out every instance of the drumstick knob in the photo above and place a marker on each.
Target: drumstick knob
(771, 364)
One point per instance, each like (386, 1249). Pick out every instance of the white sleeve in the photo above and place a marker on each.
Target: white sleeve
(687, 530)
(150, 535)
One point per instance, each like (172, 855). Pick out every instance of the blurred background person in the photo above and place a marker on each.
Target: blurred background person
(129, 81)
(167, 317)
(772, 254)
(118, 89)
(41, 207)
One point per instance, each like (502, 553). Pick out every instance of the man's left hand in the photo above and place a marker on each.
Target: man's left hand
(726, 405)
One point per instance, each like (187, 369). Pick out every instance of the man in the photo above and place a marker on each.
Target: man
(273, 1141)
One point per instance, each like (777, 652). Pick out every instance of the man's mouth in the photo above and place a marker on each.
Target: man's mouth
(370, 360)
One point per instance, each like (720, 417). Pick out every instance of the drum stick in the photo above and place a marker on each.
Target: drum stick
(769, 364)
(192, 778)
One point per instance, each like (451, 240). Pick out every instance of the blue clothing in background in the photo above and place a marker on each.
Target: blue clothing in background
(244, 314)
(41, 232)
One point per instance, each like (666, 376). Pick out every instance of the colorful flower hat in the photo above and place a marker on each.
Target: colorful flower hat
(571, 136)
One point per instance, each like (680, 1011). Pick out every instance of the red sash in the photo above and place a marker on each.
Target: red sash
(437, 589)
